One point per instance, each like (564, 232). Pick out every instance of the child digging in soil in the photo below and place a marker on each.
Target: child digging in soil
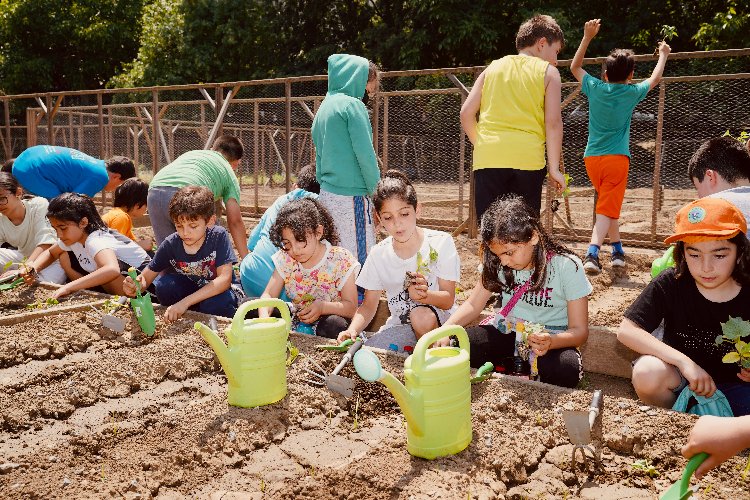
(607, 155)
(709, 283)
(198, 261)
(540, 281)
(92, 256)
(129, 202)
(318, 276)
(418, 269)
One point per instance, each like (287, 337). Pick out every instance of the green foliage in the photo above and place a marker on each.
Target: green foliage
(42, 304)
(733, 331)
(293, 353)
(111, 305)
(646, 466)
(668, 32)
(743, 136)
(729, 28)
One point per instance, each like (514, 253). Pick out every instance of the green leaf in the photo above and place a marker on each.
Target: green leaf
(719, 340)
(732, 357)
(735, 328)
(7, 265)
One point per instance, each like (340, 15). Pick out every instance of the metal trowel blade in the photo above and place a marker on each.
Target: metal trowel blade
(113, 323)
(342, 385)
(577, 424)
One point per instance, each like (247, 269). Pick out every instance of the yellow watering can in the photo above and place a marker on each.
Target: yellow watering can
(437, 398)
(255, 361)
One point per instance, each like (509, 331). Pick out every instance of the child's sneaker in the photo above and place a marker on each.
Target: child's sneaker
(618, 259)
(591, 264)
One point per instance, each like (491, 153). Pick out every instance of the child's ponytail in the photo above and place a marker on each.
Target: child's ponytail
(74, 207)
(511, 220)
(302, 217)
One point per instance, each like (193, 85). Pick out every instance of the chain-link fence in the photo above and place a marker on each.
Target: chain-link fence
(416, 128)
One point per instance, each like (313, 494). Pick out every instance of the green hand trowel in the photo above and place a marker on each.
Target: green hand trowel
(10, 282)
(142, 306)
(681, 489)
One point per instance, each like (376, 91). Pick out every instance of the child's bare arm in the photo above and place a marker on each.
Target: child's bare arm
(345, 308)
(590, 29)
(273, 290)
(576, 334)
(470, 108)
(218, 285)
(655, 77)
(107, 269)
(40, 261)
(442, 298)
(720, 437)
(363, 316)
(471, 308)
(553, 124)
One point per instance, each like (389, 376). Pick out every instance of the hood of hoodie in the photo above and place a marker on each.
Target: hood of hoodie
(347, 75)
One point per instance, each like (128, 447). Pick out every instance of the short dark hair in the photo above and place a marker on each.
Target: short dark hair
(121, 165)
(73, 207)
(539, 26)
(724, 155)
(9, 183)
(306, 179)
(619, 64)
(131, 193)
(8, 166)
(192, 202)
(229, 146)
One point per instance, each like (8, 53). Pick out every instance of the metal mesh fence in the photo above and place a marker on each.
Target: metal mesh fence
(416, 129)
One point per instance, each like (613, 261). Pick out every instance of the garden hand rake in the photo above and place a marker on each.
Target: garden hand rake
(579, 424)
(334, 381)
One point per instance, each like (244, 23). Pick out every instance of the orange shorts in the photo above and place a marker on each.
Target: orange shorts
(609, 175)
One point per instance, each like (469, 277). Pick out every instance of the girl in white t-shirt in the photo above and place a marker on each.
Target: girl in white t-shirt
(417, 268)
(24, 231)
(317, 276)
(91, 255)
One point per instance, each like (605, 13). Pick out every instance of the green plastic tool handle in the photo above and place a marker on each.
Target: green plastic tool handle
(483, 373)
(333, 347)
(692, 464)
(132, 274)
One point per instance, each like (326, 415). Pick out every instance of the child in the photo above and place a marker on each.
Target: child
(198, 261)
(129, 202)
(607, 155)
(347, 168)
(540, 281)
(708, 285)
(91, 255)
(24, 230)
(518, 101)
(317, 276)
(257, 266)
(418, 269)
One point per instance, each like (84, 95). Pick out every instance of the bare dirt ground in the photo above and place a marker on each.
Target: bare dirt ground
(100, 415)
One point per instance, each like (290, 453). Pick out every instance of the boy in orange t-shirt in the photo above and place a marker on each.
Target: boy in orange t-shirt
(129, 202)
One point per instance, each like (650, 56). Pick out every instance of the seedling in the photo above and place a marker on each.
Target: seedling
(566, 191)
(743, 137)
(733, 331)
(666, 32)
(42, 304)
(646, 466)
(262, 485)
(293, 353)
(356, 414)
(423, 267)
(111, 305)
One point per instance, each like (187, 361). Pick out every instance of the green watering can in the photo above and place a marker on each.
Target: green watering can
(664, 262)
(255, 361)
(142, 307)
(437, 397)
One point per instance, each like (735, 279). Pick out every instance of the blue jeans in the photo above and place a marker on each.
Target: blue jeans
(738, 395)
(172, 288)
(158, 211)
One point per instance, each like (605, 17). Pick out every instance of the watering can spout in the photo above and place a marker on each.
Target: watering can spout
(221, 350)
(409, 404)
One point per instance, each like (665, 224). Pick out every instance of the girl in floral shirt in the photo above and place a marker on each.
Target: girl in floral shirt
(318, 276)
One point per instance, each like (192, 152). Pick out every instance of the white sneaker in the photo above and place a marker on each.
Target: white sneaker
(618, 259)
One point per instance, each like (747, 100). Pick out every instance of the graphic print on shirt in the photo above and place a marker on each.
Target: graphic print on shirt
(201, 271)
(402, 304)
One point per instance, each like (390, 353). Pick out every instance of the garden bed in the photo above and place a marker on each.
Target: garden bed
(125, 416)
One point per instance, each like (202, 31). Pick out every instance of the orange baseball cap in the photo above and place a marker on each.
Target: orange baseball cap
(708, 219)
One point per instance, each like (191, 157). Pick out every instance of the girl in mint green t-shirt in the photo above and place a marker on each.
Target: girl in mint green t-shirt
(543, 304)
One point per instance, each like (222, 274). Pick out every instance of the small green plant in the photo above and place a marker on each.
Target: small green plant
(667, 32)
(42, 304)
(566, 191)
(293, 353)
(645, 466)
(356, 414)
(262, 485)
(423, 265)
(111, 305)
(743, 136)
(733, 331)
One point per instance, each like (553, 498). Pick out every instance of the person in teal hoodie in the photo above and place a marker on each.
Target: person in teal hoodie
(346, 164)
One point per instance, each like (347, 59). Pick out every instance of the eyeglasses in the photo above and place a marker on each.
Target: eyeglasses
(3, 200)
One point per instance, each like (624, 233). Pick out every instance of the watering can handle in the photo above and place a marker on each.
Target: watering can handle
(239, 316)
(429, 338)
(132, 274)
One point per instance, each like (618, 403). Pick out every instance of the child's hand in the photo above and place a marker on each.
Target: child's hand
(62, 291)
(700, 381)
(346, 334)
(664, 49)
(175, 311)
(591, 28)
(418, 288)
(744, 375)
(128, 285)
(311, 312)
(559, 178)
(717, 436)
(540, 342)
(444, 342)
(28, 273)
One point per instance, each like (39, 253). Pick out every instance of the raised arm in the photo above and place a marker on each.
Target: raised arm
(590, 29)
(553, 124)
(470, 108)
(655, 77)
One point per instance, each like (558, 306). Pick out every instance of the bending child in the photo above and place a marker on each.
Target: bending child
(317, 275)
(92, 256)
(417, 268)
(24, 231)
(541, 281)
(198, 261)
(607, 155)
(129, 202)
(518, 101)
(708, 285)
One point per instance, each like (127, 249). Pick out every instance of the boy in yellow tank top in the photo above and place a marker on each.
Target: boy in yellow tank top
(518, 101)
